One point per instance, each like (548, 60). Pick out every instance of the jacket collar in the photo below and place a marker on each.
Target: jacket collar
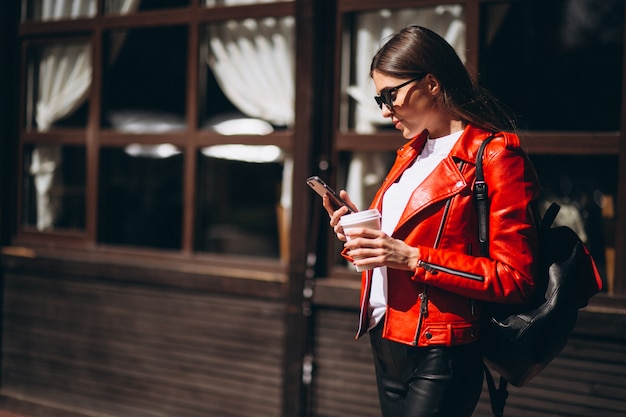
(445, 181)
(465, 149)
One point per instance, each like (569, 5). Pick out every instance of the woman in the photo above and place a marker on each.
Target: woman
(421, 302)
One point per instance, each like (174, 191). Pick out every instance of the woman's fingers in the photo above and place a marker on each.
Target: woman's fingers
(344, 195)
(375, 248)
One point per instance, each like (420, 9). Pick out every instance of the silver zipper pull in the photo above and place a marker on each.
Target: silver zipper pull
(428, 267)
(424, 304)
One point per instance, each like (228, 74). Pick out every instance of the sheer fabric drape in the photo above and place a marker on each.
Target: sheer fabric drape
(62, 9)
(366, 170)
(64, 80)
(253, 62)
(64, 77)
(237, 2)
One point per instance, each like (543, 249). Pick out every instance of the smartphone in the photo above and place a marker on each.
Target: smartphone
(323, 189)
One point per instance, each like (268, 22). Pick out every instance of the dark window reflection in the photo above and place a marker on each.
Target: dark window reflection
(119, 6)
(161, 4)
(238, 205)
(557, 63)
(141, 196)
(53, 185)
(145, 85)
(586, 189)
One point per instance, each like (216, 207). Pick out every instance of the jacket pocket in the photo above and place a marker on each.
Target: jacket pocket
(435, 269)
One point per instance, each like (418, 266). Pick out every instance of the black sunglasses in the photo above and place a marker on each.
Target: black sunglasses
(385, 95)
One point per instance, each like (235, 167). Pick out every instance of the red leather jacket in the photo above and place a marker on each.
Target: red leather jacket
(439, 302)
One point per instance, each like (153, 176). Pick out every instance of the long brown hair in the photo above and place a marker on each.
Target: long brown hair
(416, 50)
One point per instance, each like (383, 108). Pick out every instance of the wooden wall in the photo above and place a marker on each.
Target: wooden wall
(588, 379)
(87, 345)
(105, 348)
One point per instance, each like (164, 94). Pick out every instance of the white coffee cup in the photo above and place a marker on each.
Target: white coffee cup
(368, 219)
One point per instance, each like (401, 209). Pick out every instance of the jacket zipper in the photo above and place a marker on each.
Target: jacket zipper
(424, 295)
(434, 269)
(423, 313)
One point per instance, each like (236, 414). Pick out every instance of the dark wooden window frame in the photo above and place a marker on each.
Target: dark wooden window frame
(93, 137)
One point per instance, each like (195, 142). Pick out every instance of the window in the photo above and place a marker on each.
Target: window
(59, 76)
(587, 199)
(144, 81)
(547, 59)
(140, 196)
(238, 200)
(364, 34)
(172, 136)
(53, 188)
(58, 79)
(544, 62)
(42, 10)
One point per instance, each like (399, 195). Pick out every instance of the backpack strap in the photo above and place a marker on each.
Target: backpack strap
(481, 194)
(497, 396)
(549, 216)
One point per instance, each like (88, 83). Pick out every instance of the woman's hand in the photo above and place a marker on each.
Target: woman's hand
(373, 248)
(335, 214)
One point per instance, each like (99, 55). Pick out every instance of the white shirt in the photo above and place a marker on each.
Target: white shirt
(394, 202)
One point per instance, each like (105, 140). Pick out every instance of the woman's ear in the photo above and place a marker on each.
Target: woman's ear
(433, 84)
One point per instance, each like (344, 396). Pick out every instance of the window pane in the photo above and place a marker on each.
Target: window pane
(558, 64)
(140, 196)
(129, 6)
(145, 85)
(238, 200)
(358, 110)
(40, 10)
(587, 198)
(121, 6)
(58, 84)
(249, 70)
(212, 3)
(53, 185)
(360, 174)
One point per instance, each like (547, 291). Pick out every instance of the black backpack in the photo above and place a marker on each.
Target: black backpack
(518, 341)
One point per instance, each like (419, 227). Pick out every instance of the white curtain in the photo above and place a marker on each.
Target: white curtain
(121, 6)
(44, 162)
(237, 2)
(253, 62)
(63, 9)
(64, 79)
(367, 170)
(65, 71)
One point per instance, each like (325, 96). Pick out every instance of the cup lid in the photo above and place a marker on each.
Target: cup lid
(360, 216)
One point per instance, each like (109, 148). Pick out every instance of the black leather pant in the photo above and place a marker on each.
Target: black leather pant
(426, 382)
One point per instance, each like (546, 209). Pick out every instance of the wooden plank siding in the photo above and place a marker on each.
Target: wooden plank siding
(77, 346)
(588, 379)
(343, 371)
(112, 349)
